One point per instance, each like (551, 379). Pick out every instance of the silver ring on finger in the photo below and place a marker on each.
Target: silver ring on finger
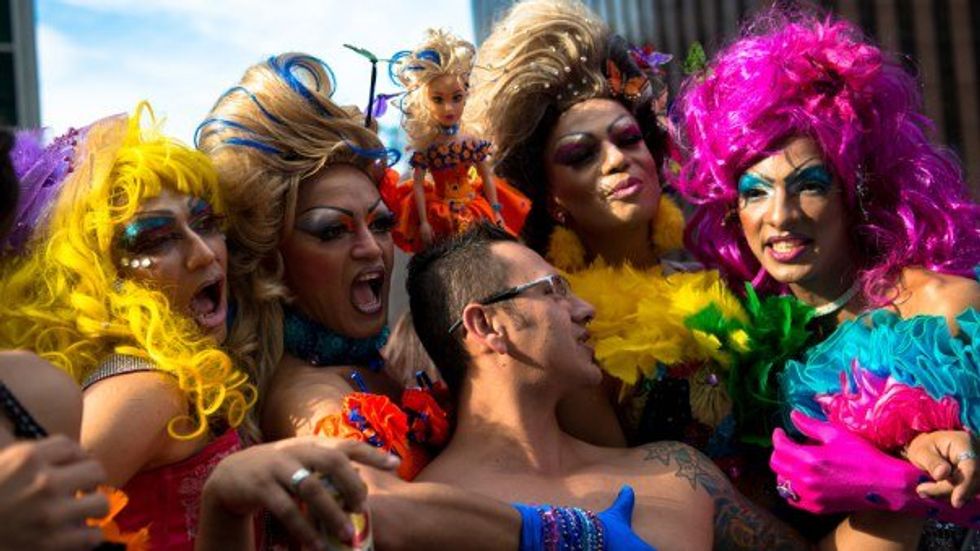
(966, 456)
(298, 477)
(785, 490)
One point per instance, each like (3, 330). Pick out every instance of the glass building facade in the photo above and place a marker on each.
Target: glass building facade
(19, 104)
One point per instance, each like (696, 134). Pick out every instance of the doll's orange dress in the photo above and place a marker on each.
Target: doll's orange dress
(454, 197)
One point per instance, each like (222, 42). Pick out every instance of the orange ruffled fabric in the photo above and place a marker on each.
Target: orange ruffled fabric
(111, 533)
(413, 431)
(454, 198)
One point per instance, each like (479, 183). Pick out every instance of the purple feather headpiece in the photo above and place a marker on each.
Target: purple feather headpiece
(40, 171)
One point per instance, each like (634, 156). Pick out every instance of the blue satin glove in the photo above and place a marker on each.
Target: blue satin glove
(618, 520)
(616, 533)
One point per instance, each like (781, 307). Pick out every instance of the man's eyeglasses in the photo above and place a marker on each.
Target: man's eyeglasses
(557, 285)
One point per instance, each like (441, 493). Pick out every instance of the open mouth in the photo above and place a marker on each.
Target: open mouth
(787, 248)
(208, 305)
(366, 293)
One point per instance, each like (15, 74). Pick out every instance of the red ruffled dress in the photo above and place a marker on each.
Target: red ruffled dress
(415, 432)
(454, 197)
(167, 499)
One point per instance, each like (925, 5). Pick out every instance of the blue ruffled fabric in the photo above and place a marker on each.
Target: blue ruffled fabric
(918, 351)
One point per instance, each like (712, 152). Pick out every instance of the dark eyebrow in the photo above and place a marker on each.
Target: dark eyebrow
(790, 176)
(613, 123)
(374, 206)
(589, 134)
(803, 166)
(338, 209)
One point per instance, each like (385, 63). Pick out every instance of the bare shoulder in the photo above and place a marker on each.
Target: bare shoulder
(147, 400)
(924, 292)
(126, 421)
(738, 523)
(298, 395)
(150, 391)
(683, 462)
(49, 394)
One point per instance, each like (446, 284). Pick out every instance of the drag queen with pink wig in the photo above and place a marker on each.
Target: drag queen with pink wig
(812, 173)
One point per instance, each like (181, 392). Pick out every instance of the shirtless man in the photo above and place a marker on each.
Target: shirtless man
(511, 357)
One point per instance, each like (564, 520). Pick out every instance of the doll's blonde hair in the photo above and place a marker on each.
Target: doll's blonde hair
(267, 135)
(65, 299)
(452, 56)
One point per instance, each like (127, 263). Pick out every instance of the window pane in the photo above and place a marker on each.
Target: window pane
(8, 102)
(5, 34)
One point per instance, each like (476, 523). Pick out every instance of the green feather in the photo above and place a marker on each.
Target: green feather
(776, 333)
(696, 59)
(371, 57)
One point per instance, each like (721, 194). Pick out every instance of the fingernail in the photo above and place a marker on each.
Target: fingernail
(393, 460)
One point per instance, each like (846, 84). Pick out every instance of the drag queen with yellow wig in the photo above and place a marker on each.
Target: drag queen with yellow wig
(115, 272)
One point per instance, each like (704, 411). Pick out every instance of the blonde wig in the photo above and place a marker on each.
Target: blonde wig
(542, 58)
(266, 135)
(65, 299)
(440, 54)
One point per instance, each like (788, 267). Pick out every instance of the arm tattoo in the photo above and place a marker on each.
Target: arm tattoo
(739, 524)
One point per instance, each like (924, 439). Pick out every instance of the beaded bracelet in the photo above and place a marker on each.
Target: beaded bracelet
(566, 528)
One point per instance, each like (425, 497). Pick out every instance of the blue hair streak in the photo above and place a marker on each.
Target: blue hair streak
(305, 63)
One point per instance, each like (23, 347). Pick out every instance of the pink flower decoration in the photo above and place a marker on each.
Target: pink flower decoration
(887, 412)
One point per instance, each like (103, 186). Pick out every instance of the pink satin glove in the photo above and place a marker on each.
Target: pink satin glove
(840, 472)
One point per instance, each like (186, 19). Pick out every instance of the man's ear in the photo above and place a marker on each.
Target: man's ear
(479, 324)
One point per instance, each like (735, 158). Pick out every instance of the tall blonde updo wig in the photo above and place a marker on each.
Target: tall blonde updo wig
(273, 130)
(545, 55)
(542, 58)
(440, 54)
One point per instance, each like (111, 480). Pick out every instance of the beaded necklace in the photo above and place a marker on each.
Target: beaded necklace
(310, 341)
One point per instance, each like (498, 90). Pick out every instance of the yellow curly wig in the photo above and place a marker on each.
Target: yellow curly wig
(65, 299)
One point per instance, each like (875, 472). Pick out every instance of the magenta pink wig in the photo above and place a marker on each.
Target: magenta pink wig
(794, 74)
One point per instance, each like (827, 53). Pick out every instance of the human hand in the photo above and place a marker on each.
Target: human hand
(950, 459)
(841, 472)
(838, 471)
(262, 478)
(40, 500)
(425, 232)
(618, 520)
(541, 524)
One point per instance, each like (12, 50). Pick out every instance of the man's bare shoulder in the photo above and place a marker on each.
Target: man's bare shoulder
(679, 461)
(738, 524)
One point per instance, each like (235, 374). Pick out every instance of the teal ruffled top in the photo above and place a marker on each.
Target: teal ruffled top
(918, 352)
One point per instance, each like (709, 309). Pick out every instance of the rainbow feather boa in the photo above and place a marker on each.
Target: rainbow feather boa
(888, 378)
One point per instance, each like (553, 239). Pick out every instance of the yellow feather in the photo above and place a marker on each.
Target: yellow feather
(565, 250)
(640, 316)
(668, 227)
